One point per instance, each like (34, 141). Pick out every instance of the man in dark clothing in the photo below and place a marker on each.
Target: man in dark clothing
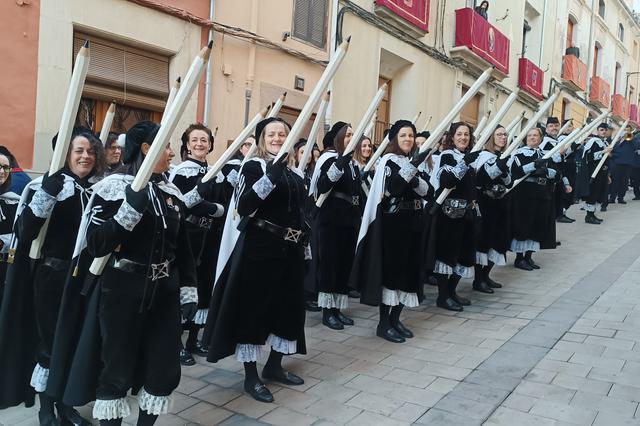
(623, 159)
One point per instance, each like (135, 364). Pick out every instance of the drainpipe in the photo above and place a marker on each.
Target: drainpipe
(590, 69)
(207, 85)
(248, 92)
(544, 18)
(332, 49)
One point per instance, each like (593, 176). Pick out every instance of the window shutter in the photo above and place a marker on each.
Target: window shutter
(310, 21)
(301, 13)
(125, 74)
(318, 23)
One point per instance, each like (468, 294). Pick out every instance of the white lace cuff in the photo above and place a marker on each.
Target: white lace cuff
(565, 181)
(551, 173)
(219, 211)
(263, 187)
(422, 189)
(529, 168)
(188, 295)
(201, 316)
(39, 378)
(334, 173)
(152, 404)
(492, 170)
(192, 198)
(127, 216)
(111, 409)
(407, 171)
(333, 300)
(282, 345)
(232, 177)
(397, 297)
(42, 204)
(522, 246)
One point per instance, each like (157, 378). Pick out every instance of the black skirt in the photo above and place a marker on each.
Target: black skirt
(495, 224)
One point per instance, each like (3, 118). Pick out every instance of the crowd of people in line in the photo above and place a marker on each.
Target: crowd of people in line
(236, 261)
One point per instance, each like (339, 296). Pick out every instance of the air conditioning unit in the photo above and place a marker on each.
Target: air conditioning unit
(575, 51)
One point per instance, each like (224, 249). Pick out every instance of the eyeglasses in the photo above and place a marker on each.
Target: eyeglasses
(6, 169)
(115, 148)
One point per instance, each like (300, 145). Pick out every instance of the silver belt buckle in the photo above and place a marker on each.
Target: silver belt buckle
(292, 235)
(159, 270)
(355, 200)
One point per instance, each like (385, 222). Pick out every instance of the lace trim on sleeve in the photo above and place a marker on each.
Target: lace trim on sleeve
(422, 189)
(127, 216)
(334, 173)
(188, 295)
(263, 187)
(42, 204)
(492, 170)
(192, 198)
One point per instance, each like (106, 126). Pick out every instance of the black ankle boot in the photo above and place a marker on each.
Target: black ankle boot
(112, 422)
(69, 416)
(453, 284)
(591, 219)
(444, 299)
(487, 270)
(394, 319)
(341, 317)
(47, 415)
(146, 419)
(330, 320)
(529, 260)
(480, 280)
(384, 329)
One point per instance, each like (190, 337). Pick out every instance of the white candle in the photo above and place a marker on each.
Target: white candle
(366, 118)
(532, 122)
(488, 131)
(69, 114)
(172, 95)
(615, 140)
(235, 145)
(106, 124)
(314, 98)
(315, 130)
(437, 133)
(481, 124)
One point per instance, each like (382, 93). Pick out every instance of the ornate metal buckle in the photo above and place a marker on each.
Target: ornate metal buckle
(355, 200)
(159, 270)
(292, 235)
(11, 255)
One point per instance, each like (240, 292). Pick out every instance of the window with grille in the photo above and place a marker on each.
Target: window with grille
(310, 21)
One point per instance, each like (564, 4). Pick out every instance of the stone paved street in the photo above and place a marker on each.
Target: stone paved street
(554, 347)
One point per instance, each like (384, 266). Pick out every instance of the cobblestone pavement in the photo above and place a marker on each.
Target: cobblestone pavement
(557, 346)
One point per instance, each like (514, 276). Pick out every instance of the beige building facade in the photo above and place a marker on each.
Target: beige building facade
(428, 51)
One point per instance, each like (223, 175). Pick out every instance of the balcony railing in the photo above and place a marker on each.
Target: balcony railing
(530, 78)
(480, 43)
(411, 15)
(574, 73)
(620, 108)
(600, 93)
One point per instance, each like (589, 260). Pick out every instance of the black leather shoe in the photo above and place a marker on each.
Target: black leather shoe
(482, 287)
(186, 358)
(636, 198)
(282, 376)
(522, 264)
(603, 208)
(462, 301)
(342, 317)
(47, 419)
(449, 304)
(312, 306)
(259, 392)
(69, 416)
(332, 322)
(197, 349)
(402, 330)
(564, 219)
(390, 334)
(532, 263)
(491, 283)
(622, 202)
(355, 294)
(591, 219)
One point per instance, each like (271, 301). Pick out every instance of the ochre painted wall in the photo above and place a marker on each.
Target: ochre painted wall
(19, 47)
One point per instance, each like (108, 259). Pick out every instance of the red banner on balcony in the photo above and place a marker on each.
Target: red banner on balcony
(574, 72)
(620, 107)
(633, 114)
(530, 78)
(600, 92)
(416, 12)
(482, 38)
